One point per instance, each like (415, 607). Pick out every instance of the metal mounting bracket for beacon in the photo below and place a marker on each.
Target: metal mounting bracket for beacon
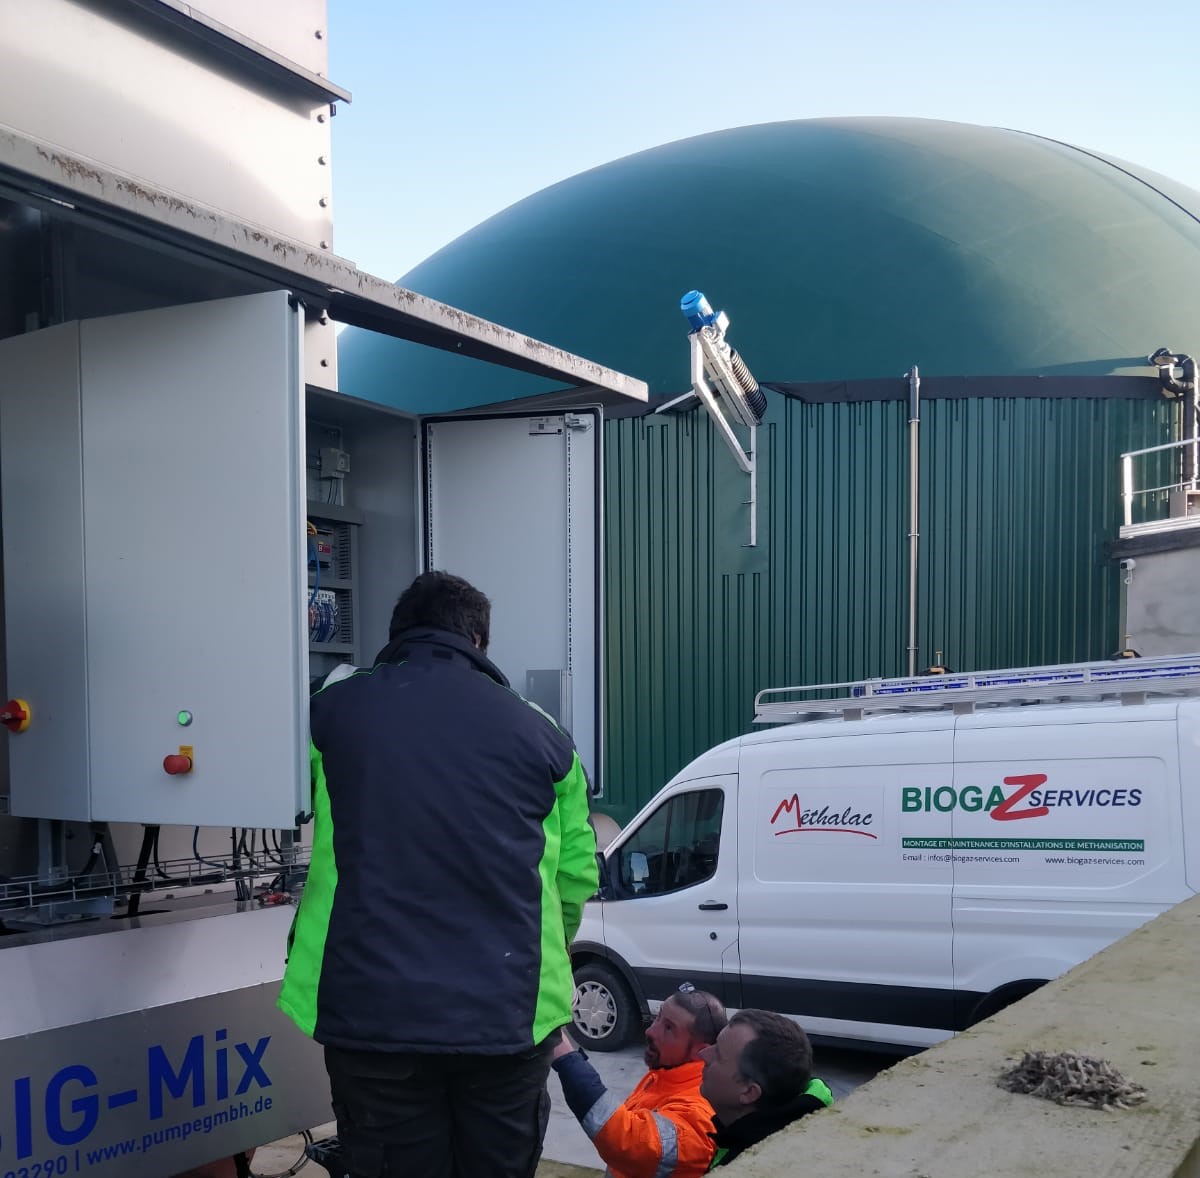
(726, 389)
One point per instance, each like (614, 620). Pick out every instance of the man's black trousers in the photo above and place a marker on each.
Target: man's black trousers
(403, 1115)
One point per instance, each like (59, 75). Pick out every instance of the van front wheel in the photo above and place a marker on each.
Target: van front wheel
(604, 1014)
(1002, 998)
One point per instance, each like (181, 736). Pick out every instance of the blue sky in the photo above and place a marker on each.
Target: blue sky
(463, 108)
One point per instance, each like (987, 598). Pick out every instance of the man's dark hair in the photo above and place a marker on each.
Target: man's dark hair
(778, 1059)
(707, 1011)
(444, 602)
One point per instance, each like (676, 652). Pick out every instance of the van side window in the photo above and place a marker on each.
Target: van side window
(675, 847)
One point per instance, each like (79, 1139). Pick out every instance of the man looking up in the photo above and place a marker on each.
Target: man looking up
(758, 1078)
(451, 860)
(663, 1129)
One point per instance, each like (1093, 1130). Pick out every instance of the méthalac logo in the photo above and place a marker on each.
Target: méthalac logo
(823, 820)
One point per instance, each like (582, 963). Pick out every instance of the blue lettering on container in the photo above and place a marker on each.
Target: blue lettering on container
(72, 1100)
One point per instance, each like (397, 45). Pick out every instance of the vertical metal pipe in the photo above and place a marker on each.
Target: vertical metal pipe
(753, 500)
(914, 508)
(1127, 486)
(1193, 411)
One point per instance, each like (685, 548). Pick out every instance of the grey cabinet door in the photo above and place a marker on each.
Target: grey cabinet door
(512, 503)
(154, 578)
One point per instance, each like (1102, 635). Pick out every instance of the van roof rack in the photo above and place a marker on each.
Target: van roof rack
(1131, 680)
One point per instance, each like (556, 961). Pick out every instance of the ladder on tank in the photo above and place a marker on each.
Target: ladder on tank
(1130, 680)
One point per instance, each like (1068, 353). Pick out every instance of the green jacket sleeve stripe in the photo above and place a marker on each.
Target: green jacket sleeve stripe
(298, 996)
(569, 879)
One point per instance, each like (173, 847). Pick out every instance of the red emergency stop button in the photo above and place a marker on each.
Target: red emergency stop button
(176, 763)
(15, 715)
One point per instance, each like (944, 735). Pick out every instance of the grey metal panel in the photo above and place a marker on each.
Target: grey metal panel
(551, 691)
(100, 1098)
(178, 1005)
(162, 959)
(38, 170)
(43, 564)
(501, 502)
(281, 39)
(320, 352)
(160, 108)
(585, 443)
(193, 494)
(297, 30)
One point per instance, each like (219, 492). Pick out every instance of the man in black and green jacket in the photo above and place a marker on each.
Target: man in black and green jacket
(452, 857)
(758, 1079)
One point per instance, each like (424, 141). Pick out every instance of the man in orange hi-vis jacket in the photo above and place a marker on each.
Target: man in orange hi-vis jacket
(664, 1128)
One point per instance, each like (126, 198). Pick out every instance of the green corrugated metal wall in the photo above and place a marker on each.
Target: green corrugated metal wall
(1018, 498)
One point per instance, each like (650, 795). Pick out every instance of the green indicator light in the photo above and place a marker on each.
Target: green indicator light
(184, 718)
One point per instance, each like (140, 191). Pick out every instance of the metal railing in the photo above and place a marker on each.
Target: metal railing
(1165, 675)
(1131, 493)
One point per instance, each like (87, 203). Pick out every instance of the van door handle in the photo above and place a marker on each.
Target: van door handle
(712, 906)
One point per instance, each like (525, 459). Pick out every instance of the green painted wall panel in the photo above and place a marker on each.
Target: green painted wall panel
(1019, 496)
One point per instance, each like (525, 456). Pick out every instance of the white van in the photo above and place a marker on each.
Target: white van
(917, 856)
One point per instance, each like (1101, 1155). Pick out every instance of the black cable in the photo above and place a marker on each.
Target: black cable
(271, 854)
(80, 884)
(92, 857)
(240, 849)
(244, 885)
(158, 869)
(139, 873)
(238, 883)
(81, 876)
(223, 868)
(250, 850)
(262, 861)
(297, 1165)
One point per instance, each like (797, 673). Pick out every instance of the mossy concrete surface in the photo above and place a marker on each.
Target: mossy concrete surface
(940, 1114)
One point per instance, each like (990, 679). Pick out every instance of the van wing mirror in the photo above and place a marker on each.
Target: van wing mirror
(604, 891)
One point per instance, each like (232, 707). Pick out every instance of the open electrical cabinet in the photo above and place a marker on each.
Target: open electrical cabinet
(509, 500)
(192, 562)
(193, 533)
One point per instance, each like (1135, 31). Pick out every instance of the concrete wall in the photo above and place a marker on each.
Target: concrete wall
(940, 1114)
